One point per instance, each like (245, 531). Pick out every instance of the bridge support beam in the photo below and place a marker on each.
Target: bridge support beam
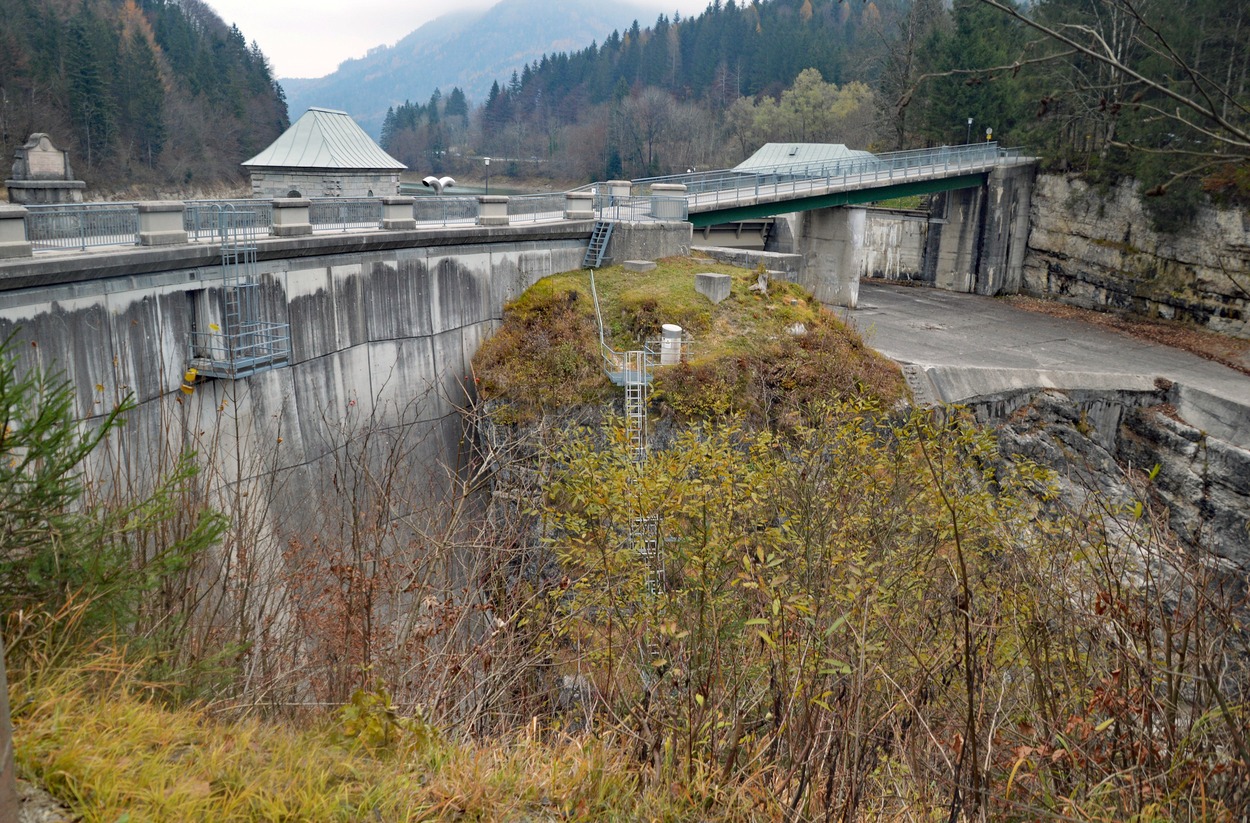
(832, 244)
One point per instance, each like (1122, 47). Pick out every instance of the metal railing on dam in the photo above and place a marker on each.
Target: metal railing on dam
(78, 227)
(82, 226)
(670, 198)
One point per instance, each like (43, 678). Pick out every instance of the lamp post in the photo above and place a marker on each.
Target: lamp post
(488, 175)
(968, 136)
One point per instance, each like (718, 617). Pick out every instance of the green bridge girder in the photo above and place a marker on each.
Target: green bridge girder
(841, 198)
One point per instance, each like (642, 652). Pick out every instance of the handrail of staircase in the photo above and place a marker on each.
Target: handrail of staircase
(610, 355)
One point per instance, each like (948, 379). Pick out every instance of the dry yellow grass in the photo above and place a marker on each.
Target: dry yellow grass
(102, 741)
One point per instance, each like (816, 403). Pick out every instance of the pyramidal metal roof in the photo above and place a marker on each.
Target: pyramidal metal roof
(324, 139)
(773, 155)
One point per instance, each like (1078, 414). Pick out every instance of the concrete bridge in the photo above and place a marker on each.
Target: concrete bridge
(976, 234)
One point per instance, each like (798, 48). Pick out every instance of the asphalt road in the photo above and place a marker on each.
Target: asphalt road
(958, 346)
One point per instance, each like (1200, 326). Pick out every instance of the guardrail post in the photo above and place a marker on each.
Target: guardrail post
(579, 205)
(13, 241)
(290, 216)
(397, 214)
(161, 223)
(492, 210)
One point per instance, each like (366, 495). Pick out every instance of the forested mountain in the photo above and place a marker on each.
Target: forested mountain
(154, 93)
(1112, 88)
(1143, 89)
(465, 49)
(683, 92)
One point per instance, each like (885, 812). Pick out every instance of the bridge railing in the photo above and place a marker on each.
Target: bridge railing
(726, 185)
(82, 225)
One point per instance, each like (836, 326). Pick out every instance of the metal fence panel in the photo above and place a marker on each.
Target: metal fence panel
(82, 225)
(532, 208)
(344, 213)
(202, 219)
(445, 211)
(640, 207)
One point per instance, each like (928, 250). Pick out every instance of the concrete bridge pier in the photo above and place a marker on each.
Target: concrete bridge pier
(1005, 228)
(832, 244)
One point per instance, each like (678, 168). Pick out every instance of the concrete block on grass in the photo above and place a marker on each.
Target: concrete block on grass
(714, 287)
(639, 265)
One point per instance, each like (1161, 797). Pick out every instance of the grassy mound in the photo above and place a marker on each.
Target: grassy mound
(760, 355)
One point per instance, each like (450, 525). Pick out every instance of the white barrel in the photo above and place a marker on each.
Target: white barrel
(670, 344)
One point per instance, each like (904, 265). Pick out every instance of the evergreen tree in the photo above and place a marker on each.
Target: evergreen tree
(142, 99)
(972, 61)
(457, 105)
(91, 102)
(388, 129)
(431, 108)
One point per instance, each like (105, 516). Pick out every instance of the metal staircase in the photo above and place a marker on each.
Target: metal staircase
(598, 247)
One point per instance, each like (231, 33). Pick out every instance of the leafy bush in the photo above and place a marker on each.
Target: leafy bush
(545, 355)
(889, 619)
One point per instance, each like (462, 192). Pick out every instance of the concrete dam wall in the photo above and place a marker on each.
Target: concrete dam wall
(380, 338)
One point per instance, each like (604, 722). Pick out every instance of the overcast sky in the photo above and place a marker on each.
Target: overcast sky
(309, 38)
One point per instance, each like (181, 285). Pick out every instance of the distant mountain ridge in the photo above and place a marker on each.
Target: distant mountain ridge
(470, 49)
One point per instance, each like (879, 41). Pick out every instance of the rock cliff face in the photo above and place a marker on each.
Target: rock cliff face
(1099, 252)
(1094, 439)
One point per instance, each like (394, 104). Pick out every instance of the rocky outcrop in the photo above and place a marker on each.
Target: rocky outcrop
(1098, 251)
(1097, 440)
